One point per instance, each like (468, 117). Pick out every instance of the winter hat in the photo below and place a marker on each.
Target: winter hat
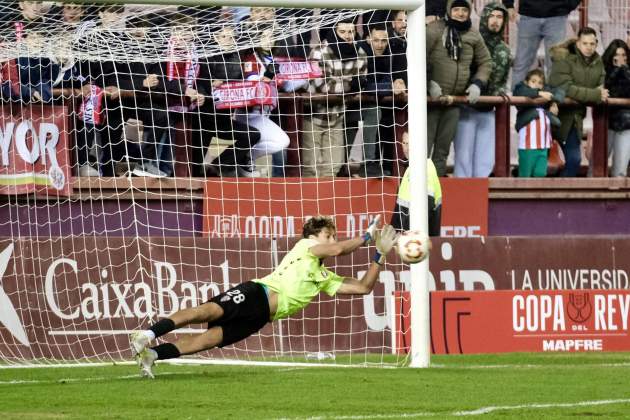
(460, 3)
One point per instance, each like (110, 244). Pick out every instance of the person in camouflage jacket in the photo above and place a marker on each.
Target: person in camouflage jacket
(474, 142)
(344, 66)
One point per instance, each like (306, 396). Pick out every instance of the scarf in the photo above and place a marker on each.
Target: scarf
(187, 70)
(452, 38)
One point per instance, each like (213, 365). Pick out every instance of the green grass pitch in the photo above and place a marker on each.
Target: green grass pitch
(527, 386)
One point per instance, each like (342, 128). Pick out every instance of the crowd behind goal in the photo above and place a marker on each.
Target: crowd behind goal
(143, 111)
(148, 87)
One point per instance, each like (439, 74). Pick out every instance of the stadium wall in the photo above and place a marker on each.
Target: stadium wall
(72, 300)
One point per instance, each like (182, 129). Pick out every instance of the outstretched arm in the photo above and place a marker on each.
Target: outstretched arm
(348, 246)
(352, 286)
(384, 243)
(338, 248)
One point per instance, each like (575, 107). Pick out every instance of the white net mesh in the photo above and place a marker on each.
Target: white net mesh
(153, 157)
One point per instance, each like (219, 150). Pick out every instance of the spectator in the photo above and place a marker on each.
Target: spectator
(189, 83)
(475, 138)
(28, 14)
(343, 64)
(73, 80)
(378, 82)
(400, 215)
(398, 40)
(9, 81)
(533, 124)
(31, 13)
(112, 17)
(33, 66)
(259, 65)
(539, 21)
(216, 70)
(452, 48)
(578, 70)
(72, 14)
(138, 86)
(104, 94)
(436, 9)
(615, 60)
(397, 30)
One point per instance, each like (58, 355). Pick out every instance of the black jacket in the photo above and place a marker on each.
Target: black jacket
(381, 72)
(224, 67)
(618, 83)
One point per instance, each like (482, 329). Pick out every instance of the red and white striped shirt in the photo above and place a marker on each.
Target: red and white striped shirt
(536, 134)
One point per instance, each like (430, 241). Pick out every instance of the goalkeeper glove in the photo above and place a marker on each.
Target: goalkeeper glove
(369, 234)
(385, 241)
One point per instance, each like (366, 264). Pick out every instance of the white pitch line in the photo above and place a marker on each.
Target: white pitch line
(477, 412)
(530, 366)
(90, 379)
(486, 410)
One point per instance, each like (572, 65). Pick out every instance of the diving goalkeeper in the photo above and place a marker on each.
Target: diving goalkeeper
(243, 310)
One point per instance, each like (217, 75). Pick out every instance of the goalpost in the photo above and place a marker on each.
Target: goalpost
(84, 260)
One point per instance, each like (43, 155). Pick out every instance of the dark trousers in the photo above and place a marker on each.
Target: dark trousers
(441, 130)
(155, 128)
(572, 154)
(207, 124)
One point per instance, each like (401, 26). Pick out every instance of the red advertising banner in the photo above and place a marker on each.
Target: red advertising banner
(278, 207)
(78, 296)
(464, 207)
(510, 321)
(272, 207)
(231, 95)
(34, 151)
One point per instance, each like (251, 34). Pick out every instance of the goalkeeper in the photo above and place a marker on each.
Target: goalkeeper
(246, 308)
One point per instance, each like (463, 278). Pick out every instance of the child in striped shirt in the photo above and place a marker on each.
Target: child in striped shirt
(533, 123)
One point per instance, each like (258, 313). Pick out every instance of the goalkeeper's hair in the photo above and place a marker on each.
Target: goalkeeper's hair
(316, 224)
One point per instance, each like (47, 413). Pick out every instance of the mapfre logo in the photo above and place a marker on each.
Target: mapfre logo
(8, 315)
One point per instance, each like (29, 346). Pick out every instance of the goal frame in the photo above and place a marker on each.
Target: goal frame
(420, 350)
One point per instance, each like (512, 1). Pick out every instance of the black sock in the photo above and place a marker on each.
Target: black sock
(166, 351)
(163, 326)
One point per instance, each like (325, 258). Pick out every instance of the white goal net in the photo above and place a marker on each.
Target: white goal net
(154, 156)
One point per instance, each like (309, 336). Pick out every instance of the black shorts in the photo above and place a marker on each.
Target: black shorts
(245, 311)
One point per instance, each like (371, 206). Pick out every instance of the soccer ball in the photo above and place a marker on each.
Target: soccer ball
(413, 246)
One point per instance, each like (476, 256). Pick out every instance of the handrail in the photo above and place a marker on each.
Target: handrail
(292, 105)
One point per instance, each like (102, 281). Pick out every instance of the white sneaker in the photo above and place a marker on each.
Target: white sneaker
(88, 170)
(138, 342)
(248, 171)
(146, 360)
(148, 170)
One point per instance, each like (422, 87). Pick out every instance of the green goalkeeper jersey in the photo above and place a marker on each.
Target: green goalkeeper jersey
(299, 278)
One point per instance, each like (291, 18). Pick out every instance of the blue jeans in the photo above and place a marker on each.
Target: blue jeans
(165, 152)
(530, 32)
(474, 143)
(572, 154)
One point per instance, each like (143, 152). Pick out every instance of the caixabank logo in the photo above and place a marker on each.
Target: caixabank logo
(508, 321)
(9, 318)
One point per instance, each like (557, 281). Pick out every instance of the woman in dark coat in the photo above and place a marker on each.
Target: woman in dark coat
(615, 60)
